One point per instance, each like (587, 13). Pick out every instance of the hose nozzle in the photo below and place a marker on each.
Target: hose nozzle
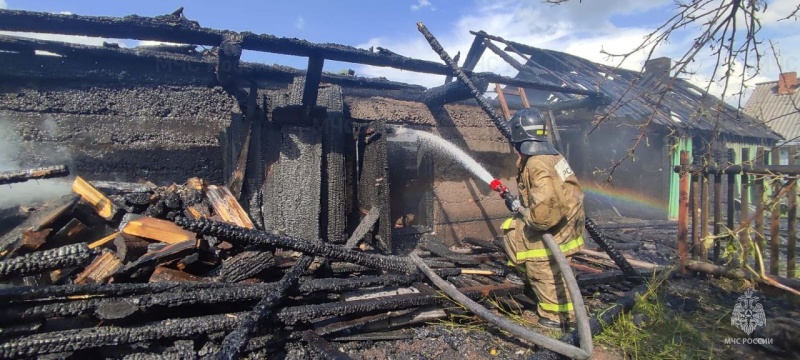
(496, 185)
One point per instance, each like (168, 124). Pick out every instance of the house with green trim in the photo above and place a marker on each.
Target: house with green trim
(624, 152)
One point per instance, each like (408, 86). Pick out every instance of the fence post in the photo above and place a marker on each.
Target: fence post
(717, 211)
(744, 236)
(759, 202)
(695, 208)
(705, 200)
(683, 212)
(731, 199)
(791, 256)
(774, 220)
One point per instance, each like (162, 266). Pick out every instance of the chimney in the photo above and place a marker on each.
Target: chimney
(659, 67)
(787, 83)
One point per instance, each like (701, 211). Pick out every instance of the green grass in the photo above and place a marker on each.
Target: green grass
(668, 334)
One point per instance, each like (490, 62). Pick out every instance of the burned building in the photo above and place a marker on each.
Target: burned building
(306, 152)
(656, 113)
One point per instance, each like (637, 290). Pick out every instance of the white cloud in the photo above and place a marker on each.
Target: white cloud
(421, 4)
(3, 4)
(300, 23)
(569, 28)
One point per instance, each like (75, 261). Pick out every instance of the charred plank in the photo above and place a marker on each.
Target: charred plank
(363, 227)
(17, 176)
(304, 313)
(245, 265)
(319, 344)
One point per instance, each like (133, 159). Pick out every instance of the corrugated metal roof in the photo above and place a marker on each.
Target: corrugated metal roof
(779, 112)
(683, 106)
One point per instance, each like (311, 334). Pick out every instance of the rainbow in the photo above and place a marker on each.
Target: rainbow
(624, 196)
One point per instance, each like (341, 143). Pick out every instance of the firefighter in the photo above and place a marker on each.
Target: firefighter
(550, 201)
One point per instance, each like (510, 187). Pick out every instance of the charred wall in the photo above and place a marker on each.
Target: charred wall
(119, 131)
(462, 205)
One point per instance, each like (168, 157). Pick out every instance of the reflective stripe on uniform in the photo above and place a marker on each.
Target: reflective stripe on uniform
(507, 224)
(545, 253)
(567, 307)
(520, 268)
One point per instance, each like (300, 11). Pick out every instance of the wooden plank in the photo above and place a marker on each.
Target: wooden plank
(524, 97)
(226, 206)
(32, 240)
(104, 240)
(241, 164)
(102, 268)
(157, 229)
(197, 211)
(165, 274)
(502, 99)
(101, 204)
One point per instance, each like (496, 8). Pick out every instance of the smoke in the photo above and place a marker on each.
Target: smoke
(14, 147)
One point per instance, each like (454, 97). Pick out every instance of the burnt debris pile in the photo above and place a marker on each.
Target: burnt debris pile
(128, 269)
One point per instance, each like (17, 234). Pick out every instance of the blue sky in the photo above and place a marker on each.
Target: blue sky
(579, 28)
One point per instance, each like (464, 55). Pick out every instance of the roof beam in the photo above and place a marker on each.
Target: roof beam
(174, 29)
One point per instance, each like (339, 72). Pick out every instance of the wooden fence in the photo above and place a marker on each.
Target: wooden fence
(710, 234)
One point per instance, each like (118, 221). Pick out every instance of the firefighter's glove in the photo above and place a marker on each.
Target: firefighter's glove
(513, 204)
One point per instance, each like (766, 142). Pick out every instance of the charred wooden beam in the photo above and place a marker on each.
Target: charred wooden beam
(235, 342)
(474, 54)
(50, 292)
(120, 308)
(268, 240)
(360, 282)
(313, 77)
(363, 227)
(451, 92)
(774, 170)
(91, 338)
(245, 265)
(321, 345)
(303, 313)
(62, 257)
(17, 176)
(462, 77)
(145, 28)
(433, 245)
(449, 78)
(505, 56)
(228, 55)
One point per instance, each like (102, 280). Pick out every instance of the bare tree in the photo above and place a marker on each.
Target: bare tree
(728, 29)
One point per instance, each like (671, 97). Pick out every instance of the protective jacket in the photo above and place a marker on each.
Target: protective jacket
(553, 201)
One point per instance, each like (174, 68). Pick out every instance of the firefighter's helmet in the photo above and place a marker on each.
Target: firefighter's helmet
(529, 133)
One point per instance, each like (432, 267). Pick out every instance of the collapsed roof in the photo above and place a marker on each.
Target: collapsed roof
(681, 105)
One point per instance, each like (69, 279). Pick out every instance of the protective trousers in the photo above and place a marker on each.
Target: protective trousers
(546, 281)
